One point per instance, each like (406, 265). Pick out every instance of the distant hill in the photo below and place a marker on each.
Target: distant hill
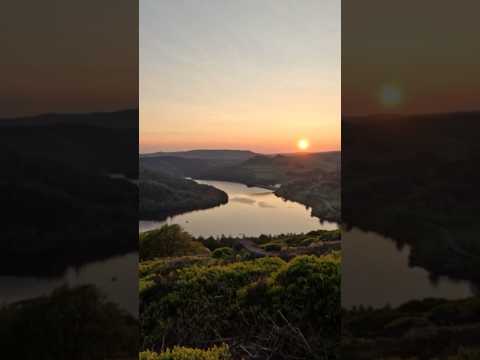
(235, 155)
(181, 167)
(195, 163)
(310, 178)
(278, 169)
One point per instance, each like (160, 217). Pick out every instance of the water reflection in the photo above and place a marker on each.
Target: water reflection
(243, 200)
(115, 277)
(376, 271)
(251, 211)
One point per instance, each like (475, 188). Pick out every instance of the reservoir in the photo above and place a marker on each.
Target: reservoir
(250, 211)
(375, 272)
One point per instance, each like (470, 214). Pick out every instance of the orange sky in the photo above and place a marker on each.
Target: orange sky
(68, 56)
(255, 75)
(428, 51)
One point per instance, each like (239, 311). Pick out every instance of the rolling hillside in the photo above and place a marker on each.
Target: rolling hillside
(311, 179)
(164, 195)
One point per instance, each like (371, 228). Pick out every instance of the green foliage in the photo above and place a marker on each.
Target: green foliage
(223, 253)
(263, 239)
(308, 289)
(246, 300)
(184, 353)
(169, 240)
(211, 243)
(295, 241)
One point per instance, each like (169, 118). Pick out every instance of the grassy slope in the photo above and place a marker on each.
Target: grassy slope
(258, 306)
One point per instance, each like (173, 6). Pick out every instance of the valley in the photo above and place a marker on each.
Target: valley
(311, 179)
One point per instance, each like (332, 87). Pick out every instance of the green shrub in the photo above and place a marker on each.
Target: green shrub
(211, 243)
(169, 240)
(259, 299)
(308, 289)
(224, 253)
(199, 301)
(263, 239)
(184, 353)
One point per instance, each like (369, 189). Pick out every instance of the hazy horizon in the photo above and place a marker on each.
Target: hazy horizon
(239, 149)
(258, 75)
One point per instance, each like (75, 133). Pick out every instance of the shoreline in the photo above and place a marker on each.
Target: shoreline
(276, 188)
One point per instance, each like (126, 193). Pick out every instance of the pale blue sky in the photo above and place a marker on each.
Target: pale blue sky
(256, 74)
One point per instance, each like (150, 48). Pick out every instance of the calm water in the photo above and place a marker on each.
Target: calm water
(116, 277)
(249, 211)
(375, 272)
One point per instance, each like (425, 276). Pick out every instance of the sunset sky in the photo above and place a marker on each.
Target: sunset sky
(410, 57)
(252, 74)
(65, 57)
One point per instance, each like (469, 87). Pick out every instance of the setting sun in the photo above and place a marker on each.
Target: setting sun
(303, 144)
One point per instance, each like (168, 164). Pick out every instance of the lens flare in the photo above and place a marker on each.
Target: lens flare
(391, 96)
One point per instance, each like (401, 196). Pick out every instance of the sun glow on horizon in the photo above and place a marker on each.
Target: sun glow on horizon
(196, 92)
(303, 144)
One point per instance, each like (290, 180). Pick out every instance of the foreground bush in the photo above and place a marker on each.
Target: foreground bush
(169, 240)
(184, 353)
(223, 253)
(267, 305)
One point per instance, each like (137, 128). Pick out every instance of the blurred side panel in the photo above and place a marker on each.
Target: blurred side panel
(69, 160)
(410, 175)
